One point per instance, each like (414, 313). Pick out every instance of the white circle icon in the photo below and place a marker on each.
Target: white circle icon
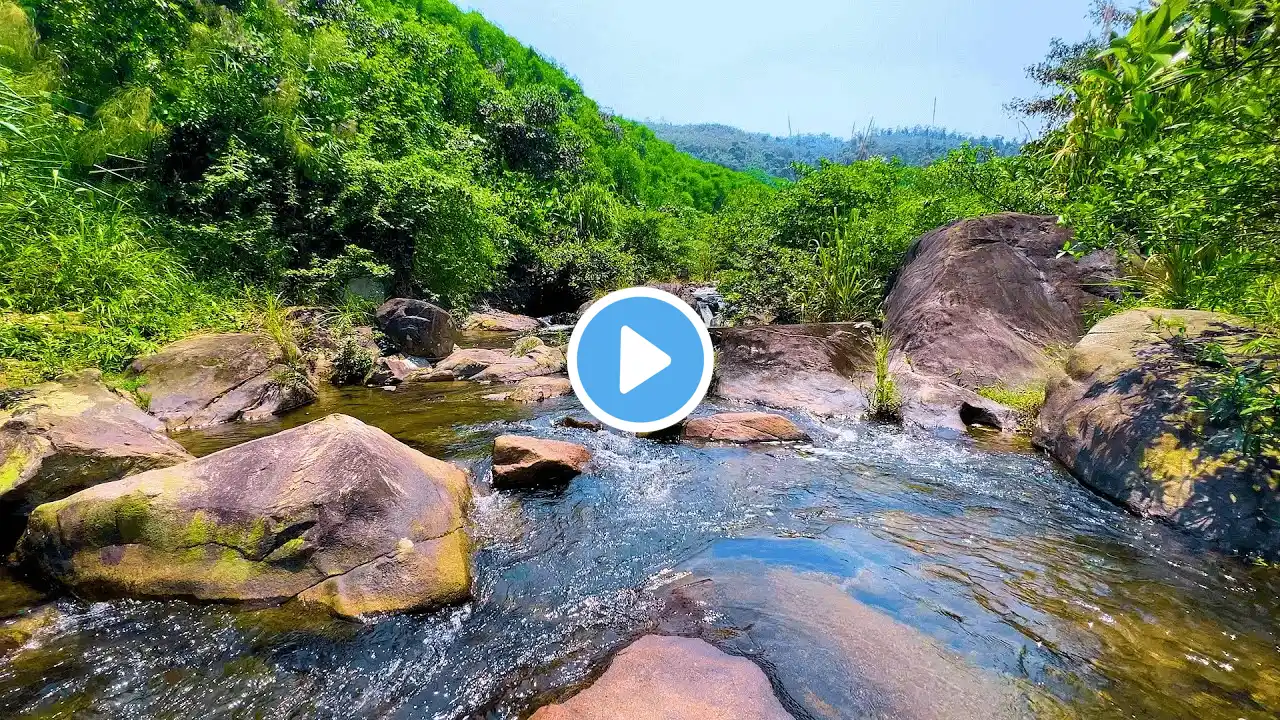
(640, 360)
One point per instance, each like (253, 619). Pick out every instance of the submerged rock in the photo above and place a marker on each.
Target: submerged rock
(62, 437)
(832, 656)
(535, 390)
(1120, 417)
(19, 631)
(334, 513)
(524, 461)
(212, 379)
(660, 677)
(532, 359)
(749, 427)
(980, 302)
(417, 327)
(499, 321)
(580, 423)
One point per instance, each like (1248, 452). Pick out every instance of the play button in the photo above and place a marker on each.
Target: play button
(640, 360)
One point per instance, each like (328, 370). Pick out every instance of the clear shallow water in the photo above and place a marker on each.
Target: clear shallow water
(998, 556)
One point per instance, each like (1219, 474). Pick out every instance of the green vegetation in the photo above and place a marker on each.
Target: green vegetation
(1025, 401)
(777, 156)
(164, 164)
(884, 402)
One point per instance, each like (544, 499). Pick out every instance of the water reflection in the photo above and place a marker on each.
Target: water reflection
(994, 556)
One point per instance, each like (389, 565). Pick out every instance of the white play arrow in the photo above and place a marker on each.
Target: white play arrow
(640, 361)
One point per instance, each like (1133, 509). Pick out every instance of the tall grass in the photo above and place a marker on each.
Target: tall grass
(845, 286)
(885, 401)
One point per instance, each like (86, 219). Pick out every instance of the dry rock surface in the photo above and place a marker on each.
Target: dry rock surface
(520, 461)
(499, 321)
(208, 380)
(334, 513)
(536, 390)
(1119, 416)
(750, 427)
(664, 678)
(534, 359)
(982, 302)
(61, 437)
(417, 327)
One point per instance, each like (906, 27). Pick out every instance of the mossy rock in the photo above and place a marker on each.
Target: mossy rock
(1120, 415)
(335, 513)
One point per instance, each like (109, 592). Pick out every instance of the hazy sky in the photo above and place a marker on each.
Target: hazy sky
(828, 64)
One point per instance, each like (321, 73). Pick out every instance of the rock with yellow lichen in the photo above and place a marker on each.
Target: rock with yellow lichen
(1121, 416)
(334, 513)
(62, 437)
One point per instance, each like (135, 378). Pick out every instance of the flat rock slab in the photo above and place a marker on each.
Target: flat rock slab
(668, 678)
(536, 390)
(520, 461)
(828, 654)
(65, 436)
(208, 380)
(795, 367)
(333, 513)
(750, 427)
(499, 321)
(1120, 417)
(980, 302)
(417, 327)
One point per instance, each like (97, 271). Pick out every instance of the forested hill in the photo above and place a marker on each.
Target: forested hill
(745, 151)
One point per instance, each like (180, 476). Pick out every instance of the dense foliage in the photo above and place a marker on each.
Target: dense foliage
(777, 156)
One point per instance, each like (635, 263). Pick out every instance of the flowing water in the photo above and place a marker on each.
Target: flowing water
(996, 558)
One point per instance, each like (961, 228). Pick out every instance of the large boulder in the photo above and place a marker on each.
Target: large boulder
(748, 427)
(417, 327)
(660, 677)
(334, 513)
(536, 390)
(59, 438)
(829, 369)
(982, 302)
(530, 358)
(207, 380)
(1121, 416)
(795, 367)
(499, 321)
(520, 461)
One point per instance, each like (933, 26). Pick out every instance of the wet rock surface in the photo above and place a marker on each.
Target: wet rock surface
(207, 380)
(793, 623)
(661, 677)
(65, 436)
(417, 327)
(535, 390)
(984, 301)
(335, 513)
(520, 461)
(1120, 417)
(750, 427)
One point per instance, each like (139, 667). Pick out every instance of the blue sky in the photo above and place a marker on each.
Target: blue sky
(828, 64)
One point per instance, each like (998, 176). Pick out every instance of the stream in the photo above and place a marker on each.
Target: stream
(991, 556)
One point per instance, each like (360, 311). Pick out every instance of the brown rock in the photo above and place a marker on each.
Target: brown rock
(535, 390)
(569, 421)
(795, 367)
(499, 321)
(832, 655)
(667, 678)
(212, 379)
(524, 461)
(749, 427)
(417, 327)
(396, 369)
(335, 513)
(488, 365)
(982, 301)
(1120, 417)
(65, 436)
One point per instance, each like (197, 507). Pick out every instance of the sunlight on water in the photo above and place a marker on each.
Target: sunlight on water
(999, 557)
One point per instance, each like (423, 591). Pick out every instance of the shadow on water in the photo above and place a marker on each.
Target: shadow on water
(991, 565)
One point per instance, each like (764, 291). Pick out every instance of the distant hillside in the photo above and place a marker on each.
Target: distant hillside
(741, 150)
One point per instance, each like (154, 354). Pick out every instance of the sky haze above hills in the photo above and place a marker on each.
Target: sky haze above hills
(826, 64)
